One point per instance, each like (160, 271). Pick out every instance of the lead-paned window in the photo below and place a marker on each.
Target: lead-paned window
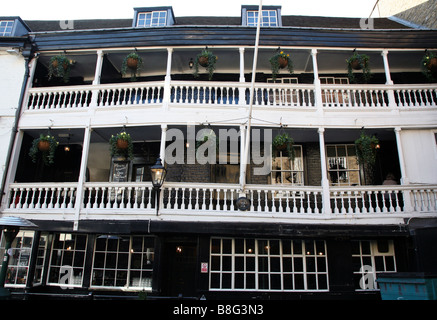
(268, 265)
(19, 258)
(343, 168)
(370, 257)
(6, 28)
(286, 170)
(152, 19)
(269, 18)
(67, 259)
(123, 262)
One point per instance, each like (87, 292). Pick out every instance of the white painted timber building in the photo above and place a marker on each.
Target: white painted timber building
(318, 223)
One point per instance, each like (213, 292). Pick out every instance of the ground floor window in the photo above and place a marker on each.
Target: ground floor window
(67, 259)
(370, 257)
(123, 262)
(19, 259)
(268, 265)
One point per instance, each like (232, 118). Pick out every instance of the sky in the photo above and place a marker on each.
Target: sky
(89, 9)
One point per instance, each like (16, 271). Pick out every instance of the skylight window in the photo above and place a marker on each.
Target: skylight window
(6, 28)
(269, 18)
(152, 19)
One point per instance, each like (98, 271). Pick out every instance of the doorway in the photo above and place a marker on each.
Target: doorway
(179, 268)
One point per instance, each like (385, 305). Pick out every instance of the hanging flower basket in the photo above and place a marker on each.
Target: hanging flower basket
(45, 146)
(121, 145)
(366, 148)
(132, 63)
(358, 62)
(59, 67)
(283, 62)
(207, 60)
(203, 61)
(283, 142)
(429, 66)
(280, 60)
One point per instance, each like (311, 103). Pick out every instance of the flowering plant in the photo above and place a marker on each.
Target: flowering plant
(46, 145)
(283, 142)
(133, 63)
(358, 62)
(279, 61)
(121, 145)
(366, 148)
(206, 59)
(429, 65)
(59, 67)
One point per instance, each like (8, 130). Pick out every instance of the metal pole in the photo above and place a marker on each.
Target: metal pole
(252, 85)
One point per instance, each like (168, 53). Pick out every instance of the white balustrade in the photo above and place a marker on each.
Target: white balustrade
(142, 93)
(222, 198)
(378, 96)
(233, 94)
(417, 96)
(219, 93)
(42, 196)
(108, 196)
(382, 199)
(204, 198)
(71, 97)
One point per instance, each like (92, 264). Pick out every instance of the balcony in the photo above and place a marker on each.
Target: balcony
(216, 202)
(223, 94)
(167, 96)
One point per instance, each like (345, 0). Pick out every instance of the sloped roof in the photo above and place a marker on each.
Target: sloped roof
(287, 21)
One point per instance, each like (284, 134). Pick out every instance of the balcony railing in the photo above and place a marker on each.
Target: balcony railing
(233, 94)
(113, 200)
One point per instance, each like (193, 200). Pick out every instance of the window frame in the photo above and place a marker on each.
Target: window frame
(151, 24)
(371, 255)
(129, 268)
(78, 281)
(297, 169)
(268, 265)
(4, 33)
(253, 15)
(348, 170)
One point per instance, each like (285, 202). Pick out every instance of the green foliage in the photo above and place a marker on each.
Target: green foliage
(274, 62)
(59, 67)
(284, 142)
(366, 149)
(48, 156)
(134, 71)
(210, 64)
(115, 151)
(425, 65)
(208, 135)
(363, 64)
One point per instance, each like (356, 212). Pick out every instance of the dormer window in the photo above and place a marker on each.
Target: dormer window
(269, 18)
(152, 19)
(6, 28)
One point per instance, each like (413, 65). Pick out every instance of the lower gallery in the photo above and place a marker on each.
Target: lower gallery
(202, 260)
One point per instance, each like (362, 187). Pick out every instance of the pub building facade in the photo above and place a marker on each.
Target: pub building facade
(321, 222)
